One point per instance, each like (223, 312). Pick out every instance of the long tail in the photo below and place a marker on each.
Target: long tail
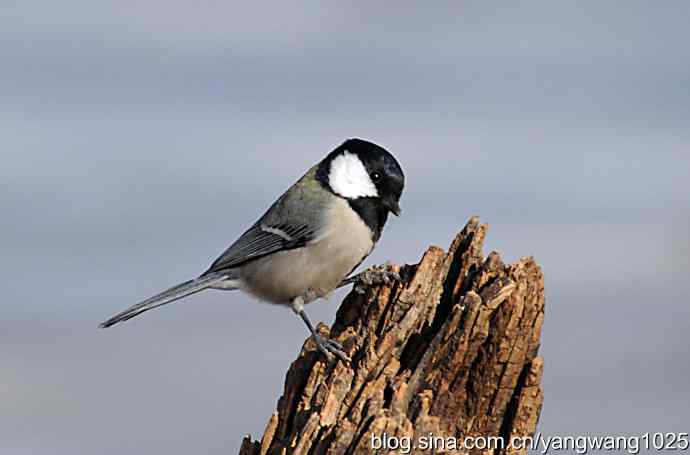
(174, 293)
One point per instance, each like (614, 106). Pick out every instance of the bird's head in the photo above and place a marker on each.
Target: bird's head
(361, 169)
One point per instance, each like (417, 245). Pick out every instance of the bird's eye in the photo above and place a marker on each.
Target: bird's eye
(375, 177)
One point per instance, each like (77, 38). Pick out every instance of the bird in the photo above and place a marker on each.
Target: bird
(309, 241)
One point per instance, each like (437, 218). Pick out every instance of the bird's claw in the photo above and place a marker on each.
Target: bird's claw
(329, 348)
(375, 277)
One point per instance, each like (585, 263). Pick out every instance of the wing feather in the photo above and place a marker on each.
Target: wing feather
(261, 240)
(292, 221)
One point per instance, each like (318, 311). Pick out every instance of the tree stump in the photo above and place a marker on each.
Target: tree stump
(450, 351)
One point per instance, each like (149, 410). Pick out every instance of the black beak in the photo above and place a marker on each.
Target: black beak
(392, 205)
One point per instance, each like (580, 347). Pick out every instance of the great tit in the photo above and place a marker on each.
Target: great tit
(315, 235)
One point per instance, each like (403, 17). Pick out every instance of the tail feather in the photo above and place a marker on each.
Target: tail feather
(170, 295)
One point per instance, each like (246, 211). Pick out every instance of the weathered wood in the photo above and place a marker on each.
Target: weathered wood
(451, 351)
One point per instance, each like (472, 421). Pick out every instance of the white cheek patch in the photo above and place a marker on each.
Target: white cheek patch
(349, 178)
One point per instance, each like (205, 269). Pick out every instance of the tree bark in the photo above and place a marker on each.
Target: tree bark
(450, 351)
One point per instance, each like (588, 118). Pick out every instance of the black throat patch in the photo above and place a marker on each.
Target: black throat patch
(372, 212)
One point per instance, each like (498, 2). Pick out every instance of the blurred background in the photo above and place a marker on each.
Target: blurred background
(138, 139)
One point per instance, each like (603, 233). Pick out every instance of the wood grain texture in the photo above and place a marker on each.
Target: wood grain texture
(451, 350)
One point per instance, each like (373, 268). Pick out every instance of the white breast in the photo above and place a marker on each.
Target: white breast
(320, 266)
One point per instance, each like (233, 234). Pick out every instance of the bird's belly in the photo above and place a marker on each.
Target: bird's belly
(316, 269)
(285, 275)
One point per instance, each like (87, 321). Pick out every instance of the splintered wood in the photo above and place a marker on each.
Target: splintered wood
(450, 352)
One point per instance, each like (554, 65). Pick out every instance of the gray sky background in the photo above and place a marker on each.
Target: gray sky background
(139, 139)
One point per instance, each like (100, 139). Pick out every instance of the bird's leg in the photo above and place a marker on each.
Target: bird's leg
(327, 346)
(371, 277)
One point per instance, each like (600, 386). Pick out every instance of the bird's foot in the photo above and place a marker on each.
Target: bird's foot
(375, 276)
(329, 348)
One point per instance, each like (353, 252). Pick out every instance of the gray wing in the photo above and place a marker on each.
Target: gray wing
(291, 222)
(261, 240)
